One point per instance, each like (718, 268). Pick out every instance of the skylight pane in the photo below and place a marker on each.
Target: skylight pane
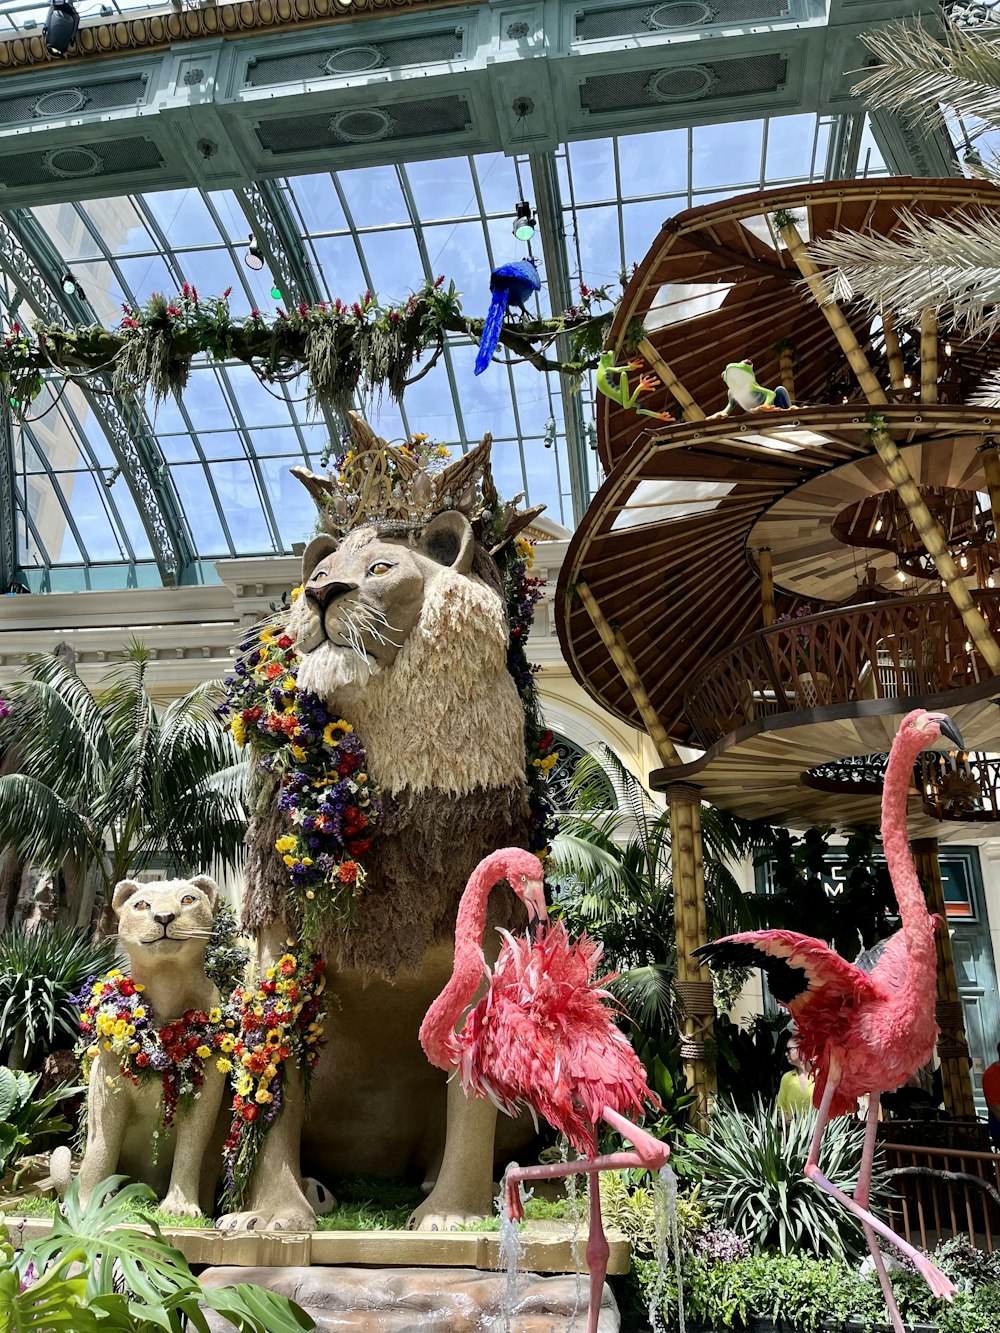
(212, 271)
(240, 503)
(293, 507)
(49, 518)
(145, 275)
(118, 224)
(90, 515)
(459, 251)
(497, 182)
(183, 217)
(726, 154)
(394, 263)
(373, 196)
(342, 273)
(592, 167)
(442, 188)
(790, 147)
(641, 223)
(200, 511)
(318, 203)
(668, 149)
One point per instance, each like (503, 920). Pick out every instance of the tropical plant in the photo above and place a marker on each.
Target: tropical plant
(27, 1118)
(751, 1179)
(750, 1059)
(931, 77)
(225, 957)
(94, 1270)
(106, 781)
(40, 971)
(613, 874)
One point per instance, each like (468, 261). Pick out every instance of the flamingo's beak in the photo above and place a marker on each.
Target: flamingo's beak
(948, 728)
(534, 900)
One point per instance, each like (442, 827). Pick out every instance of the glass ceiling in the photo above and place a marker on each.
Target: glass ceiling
(227, 446)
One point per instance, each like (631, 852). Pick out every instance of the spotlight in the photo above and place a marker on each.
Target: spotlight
(60, 27)
(524, 221)
(253, 257)
(70, 286)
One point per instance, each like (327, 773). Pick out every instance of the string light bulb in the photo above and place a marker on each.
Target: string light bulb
(901, 576)
(907, 381)
(947, 349)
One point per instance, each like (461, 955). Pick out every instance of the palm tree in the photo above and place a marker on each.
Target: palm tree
(948, 77)
(614, 874)
(104, 781)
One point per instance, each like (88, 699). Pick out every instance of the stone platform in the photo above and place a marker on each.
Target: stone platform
(419, 1300)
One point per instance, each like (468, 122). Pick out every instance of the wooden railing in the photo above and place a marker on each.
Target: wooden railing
(944, 1192)
(908, 648)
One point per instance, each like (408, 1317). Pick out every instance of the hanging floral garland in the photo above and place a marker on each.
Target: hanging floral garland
(279, 1019)
(318, 763)
(115, 1017)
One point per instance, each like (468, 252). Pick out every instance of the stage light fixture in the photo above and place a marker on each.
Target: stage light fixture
(524, 221)
(70, 285)
(253, 257)
(60, 27)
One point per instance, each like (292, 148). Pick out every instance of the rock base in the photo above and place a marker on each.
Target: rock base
(416, 1300)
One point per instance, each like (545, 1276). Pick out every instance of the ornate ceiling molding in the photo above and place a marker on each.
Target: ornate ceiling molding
(146, 31)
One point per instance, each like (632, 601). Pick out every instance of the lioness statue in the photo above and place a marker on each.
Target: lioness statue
(164, 928)
(406, 637)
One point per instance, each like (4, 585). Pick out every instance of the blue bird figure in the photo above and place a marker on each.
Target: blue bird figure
(511, 284)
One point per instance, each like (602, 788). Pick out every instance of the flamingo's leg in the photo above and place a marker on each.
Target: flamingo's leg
(654, 1152)
(861, 1196)
(613, 1161)
(597, 1253)
(932, 1275)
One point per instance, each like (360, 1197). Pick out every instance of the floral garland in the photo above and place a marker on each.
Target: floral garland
(279, 1019)
(115, 1017)
(523, 591)
(318, 762)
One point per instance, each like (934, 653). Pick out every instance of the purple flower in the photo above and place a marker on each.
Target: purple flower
(159, 1060)
(30, 1274)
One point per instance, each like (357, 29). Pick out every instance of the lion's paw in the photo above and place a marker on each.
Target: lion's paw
(178, 1205)
(437, 1214)
(283, 1219)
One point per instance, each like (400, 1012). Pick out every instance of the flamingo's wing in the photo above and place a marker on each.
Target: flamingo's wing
(798, 967)
(886, 962)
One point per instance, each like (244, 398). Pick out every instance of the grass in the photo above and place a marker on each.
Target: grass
(364, 1203)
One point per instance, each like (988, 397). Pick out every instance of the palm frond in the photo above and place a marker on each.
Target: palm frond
(919, 70)
(949, 264)
(646, 994)
(55, 727)
(988, 393)
(40, 825)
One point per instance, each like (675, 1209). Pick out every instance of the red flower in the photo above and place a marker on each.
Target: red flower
(227, 293)
(303, 309)
(142, 1059)
(174, 310)
(287, 966)
(347, 872)
(438, 281)
(358, 846)
(248, 1112)
(285, 641)
(193, 1042)
(127, 986)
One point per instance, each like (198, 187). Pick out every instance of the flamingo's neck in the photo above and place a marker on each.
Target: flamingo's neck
(437, 1032)
(918, 926)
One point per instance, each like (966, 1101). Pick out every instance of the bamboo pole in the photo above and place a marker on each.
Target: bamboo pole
(614, 641)
(893, 351)
(691, 930)
(928, 356)
(991, 466)
(933, 539)
(834, 316)
(786, 367)
(953, 1049)
(689, 408)
(766, 567)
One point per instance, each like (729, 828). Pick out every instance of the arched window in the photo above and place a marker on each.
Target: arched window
(561, 775)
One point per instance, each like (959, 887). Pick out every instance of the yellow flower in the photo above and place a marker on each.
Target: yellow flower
(330, 736)
(271, 973)
(93, 1052)
(274, 1037)
(202, 1052)
(120, 1028)
(107, 1046)
(284, 844)
(98, 989)
(296, 593)
(442, 451)
(264, 655)
(307, 861)
(139, 988)
(263, 1096)
(246, 1058)
(268, 635)
(245, 1085)
(115, 972)
(258, 1010)
(288, 685)
(298, 752)
(361, 777)
(310, 895)
(239, 730)
(419, 438)
(130, 1030)
(270, 1072)
(140, 1012)
(134, 1048)
(224, 1066)
(291, 861)
(215, 1015)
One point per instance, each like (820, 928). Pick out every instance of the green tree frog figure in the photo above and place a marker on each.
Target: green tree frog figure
(745, 392)
(619, 393)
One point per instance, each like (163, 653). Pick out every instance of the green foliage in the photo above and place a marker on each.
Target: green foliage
(107, 782)
(40, 970)
(751, 1179)
(860, 914)
(750, 1060)
(614, 880)
(225, 957)
(27, 1118)
(803, 1295)
(95, 1271)
(631, 1209)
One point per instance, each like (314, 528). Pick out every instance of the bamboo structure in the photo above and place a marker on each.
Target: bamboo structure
(766, 566)
(934, 543)
(893, 351)
(614, 641)
(786, 364)
(689, 408)
(691, 928)
(991, 466)
(953, 1050)
(842, 331)
(928, 356)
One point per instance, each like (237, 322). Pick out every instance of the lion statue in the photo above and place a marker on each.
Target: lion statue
(164, 928)
(405, 635)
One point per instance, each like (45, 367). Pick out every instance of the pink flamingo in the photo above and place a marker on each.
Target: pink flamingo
(541, 1037)
(864, 1027)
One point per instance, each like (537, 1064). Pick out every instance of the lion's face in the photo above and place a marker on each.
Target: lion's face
(169, 918)
(362, 597)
